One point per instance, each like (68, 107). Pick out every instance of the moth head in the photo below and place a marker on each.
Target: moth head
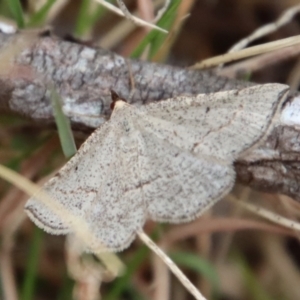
(117, 101)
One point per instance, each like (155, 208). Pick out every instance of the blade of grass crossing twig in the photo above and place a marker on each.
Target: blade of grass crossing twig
(155, 38)
(63, 126)
(27, 292)
(16, 10)
(40, 16)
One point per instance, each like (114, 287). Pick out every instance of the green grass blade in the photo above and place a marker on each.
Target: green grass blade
(83, 15)
(252, 284)
(87, 19)
(199, 265)
(155, 38)
(27, 292)
(16, 10)
(96, 15)
(63, 126)
(40, 16)
(66, 291)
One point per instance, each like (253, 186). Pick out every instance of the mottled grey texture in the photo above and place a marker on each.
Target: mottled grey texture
(86, 96)
(168, 161)
(84, 77)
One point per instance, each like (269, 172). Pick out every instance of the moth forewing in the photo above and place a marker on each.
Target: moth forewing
(222, 125)
(168, 161)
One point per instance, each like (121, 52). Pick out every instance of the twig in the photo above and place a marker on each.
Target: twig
(84, 77)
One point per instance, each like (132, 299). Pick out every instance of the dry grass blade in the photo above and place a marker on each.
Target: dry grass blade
(134, 19)
(7, 273)
(183, 11)
(267, 214)
(285, 18)
(87, 273)
(263, 61)
(185, 231)
(162, 279)
(78, 224)
(230, 57)
(172, 266)
(126, 12)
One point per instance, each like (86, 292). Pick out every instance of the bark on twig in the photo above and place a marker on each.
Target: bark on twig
(84, 77)
(275, 166)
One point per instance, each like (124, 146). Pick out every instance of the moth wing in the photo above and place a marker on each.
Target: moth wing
(178, 185)
(221, 124)
(91, 186)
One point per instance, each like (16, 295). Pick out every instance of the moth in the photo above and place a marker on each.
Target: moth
(168, 161)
